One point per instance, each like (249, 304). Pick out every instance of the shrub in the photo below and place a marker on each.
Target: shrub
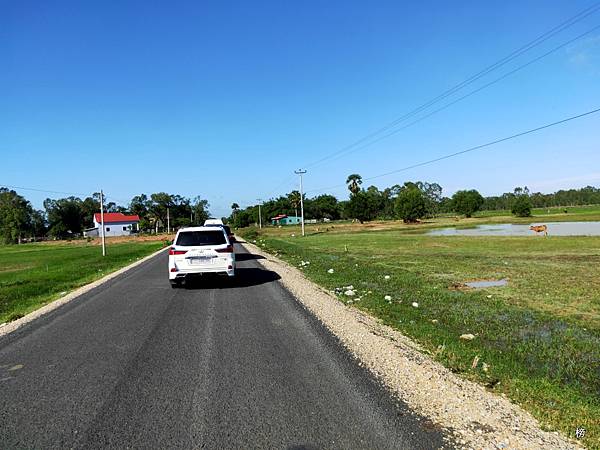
(411, 204)
(522, 206)
(467, 202)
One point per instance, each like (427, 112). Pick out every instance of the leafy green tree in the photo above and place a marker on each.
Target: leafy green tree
(363, 206)
(65, 216)
(200, 210)
(467, 202)
(160, 202)
(242, 219)
(433, 194)
(522, 206)
(89, 207)
(411, 203)
(140, 205)
(37, 224)
(323, 206)
(354, 181)
(16, 217)
(389, 201)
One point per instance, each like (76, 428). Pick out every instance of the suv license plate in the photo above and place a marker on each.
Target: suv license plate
(201, 260)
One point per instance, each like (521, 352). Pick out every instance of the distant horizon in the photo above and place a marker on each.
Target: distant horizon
(23, 193)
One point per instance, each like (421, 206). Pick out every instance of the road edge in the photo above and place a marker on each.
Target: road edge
(476, 417)
(10, 327)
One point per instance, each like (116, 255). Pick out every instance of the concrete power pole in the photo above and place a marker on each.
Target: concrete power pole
(259, 213)
(301, 172)
(102, 222)
(168, 222)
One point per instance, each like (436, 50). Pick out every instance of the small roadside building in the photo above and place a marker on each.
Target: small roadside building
(115, 224)
(284, 219)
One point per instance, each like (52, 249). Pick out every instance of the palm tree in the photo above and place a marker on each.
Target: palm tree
(294, 198)
(234, 207)
(354, 181)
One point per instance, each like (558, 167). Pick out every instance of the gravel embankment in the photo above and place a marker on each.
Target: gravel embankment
(479, 419)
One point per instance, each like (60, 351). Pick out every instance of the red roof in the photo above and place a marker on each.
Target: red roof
(116, 217)
(280, 216)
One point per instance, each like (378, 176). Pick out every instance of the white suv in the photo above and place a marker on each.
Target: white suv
(198, 250)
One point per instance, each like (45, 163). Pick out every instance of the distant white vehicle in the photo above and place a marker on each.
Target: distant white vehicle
(200, 250)
(213, 222)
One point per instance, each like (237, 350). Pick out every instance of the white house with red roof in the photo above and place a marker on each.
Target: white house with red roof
(115, 224)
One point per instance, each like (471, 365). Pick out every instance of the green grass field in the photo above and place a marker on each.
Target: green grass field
(574, 214)
(539, 337)
(32, 275)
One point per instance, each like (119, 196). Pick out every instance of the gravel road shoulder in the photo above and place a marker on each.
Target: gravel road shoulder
(477, 418)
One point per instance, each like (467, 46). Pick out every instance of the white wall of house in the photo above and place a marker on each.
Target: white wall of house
(118, 228)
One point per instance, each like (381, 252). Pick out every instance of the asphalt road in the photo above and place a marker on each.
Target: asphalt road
(136, 364)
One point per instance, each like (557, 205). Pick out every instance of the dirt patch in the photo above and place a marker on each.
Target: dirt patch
(113, 240)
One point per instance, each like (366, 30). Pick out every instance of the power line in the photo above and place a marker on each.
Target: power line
(532, 44)
(435, 111)
(287, 180)
(42, 190)
(48, 191)
(470, 149)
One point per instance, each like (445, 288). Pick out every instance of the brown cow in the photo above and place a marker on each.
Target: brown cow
(539, 229)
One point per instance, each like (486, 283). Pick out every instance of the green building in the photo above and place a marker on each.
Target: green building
(284, 219)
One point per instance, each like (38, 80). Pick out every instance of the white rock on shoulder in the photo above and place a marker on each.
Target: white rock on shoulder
(467, 337)
(330, 271)
(415, 304)
(349, 293)
(387, 277)
(388, 297)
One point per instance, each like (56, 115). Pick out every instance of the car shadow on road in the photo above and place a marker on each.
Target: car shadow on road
(247, 257)
(244, 277)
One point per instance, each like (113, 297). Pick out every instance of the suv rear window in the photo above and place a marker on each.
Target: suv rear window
(198, 238)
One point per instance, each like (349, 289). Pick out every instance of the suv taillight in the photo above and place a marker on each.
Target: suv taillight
(172, 251)
(228, 249)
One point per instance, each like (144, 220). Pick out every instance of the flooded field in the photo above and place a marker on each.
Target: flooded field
(509, 229)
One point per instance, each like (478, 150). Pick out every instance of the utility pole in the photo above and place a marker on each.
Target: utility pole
(168, 221)
(102, 222)
(301, 172)
(259, 213)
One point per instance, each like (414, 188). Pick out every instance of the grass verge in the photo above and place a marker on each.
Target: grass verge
(32, 275)
(536, 340)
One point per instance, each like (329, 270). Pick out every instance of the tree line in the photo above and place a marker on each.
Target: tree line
(69, 217)
(410, 202)
(588, 195)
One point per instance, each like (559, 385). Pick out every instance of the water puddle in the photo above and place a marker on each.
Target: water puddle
(486, 283)
(510, 229)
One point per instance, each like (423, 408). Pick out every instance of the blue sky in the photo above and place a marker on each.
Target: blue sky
(226, 99)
